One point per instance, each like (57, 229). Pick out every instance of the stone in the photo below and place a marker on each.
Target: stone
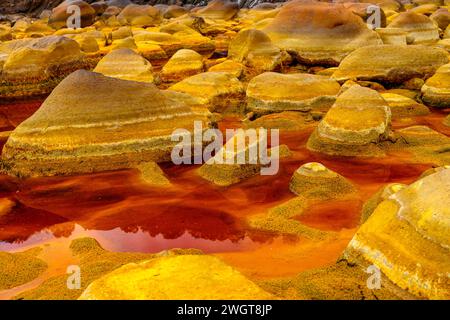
(183, 64)
(290, 92)
(177, 277)
(441, 17)
(406, 237)
(359, 119)
(230, 66)
(254, 49)
(436, 90)
(139, 16)
(395, 36)
(218, 10)
(447, 121)
(152, 174)
(219, 91)
(6, 205)
(417, 26)
(85, 126)
(35, 66)
(315, 181)
(403, 107)
(318, 32)
(391, 63)
(283, 121)
(60, 14)
(174, 11)
(125, 64)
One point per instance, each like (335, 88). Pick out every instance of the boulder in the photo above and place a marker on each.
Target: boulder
(436, 90)
(403, 107)
(60, 15)
(139, 16)
(319, 32)
(359, 119)
(406, 237)
(290, 92)
(92, 123)
(418, 27)
(125, 64)
(184, 63)
(391, 63)
(218, 10)
(199, 277)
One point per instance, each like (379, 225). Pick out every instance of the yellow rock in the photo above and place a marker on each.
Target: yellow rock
(152, 174)
(184, 63)
(436, 90)
(417, 26)
(125, 64)
(230, 66)
(402, 106)
(5, 206)
(407, 237)
(195, 277)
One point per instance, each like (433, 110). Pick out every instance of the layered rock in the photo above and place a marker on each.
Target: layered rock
(92, 123)
(318, 32)
(139, 16)
(441, 17)
(358, 120)
(177, 277)
(218, 10)
(254, 49)
(391, 63)
(314, 180)
(436, 90)
(184, 63)
(406, 237)
(418, 27)
(35, 66)
(61, 15)
(402, 107)
(290, 92)
(218, 91)
(125, 64)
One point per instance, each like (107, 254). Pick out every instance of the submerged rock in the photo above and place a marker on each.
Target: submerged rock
(92, 123)
(391, 63)
(406, 237)
(318, 32)
(315, 181)
(125, 64)
(359, 119)
(290, 92)
(436, 90)
(179, 277)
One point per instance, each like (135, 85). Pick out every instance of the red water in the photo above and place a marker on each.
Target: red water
(124, 214)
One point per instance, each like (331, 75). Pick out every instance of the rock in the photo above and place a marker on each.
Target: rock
(184, 63)
(230, 66)
(139, 16)
(441, 17)
(436, 90)
(218, 10)
(315, 181)
(395, 36)
(152, 174)
(174, 11)
(35, 66)
(218, 91)
(5, 32)
(125, 64)
(85, 126)
(447, 121)
(406, 237)
(318, 32)
(359, 119)
(290, 92)
(254, 49)
(403, 107)
(60, 15)
(417, 26)
(391, 63)
(20, 268)
(179, 277)
(285, 121)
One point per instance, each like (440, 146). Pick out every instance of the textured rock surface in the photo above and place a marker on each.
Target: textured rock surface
(418, 27)
(218, 91)
(181, 277)
(317, 32)
(84, 126)
(402, 107)
(61, 14)
(359, 119)
(407, 237)
(436, 90)
(183, 64)
(314, 180)
(391, 63)
(125, 64)
(290, 92)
